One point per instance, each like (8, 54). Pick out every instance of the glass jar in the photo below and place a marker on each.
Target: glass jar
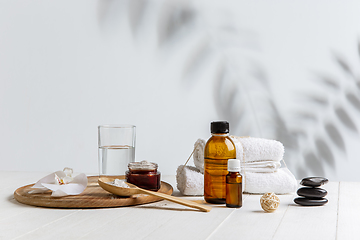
(144, 174)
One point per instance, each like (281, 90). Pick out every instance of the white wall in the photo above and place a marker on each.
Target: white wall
(68, 66)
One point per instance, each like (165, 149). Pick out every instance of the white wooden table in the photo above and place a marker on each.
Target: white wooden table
(338, 219)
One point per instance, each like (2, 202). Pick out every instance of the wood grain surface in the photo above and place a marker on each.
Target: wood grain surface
(337, 220)
(92, 197)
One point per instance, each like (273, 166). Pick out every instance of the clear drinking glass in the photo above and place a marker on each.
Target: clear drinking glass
(116, 148)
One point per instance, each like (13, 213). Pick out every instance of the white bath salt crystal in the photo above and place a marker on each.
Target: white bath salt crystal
(142, 165)
(119, 183)
(68, 171)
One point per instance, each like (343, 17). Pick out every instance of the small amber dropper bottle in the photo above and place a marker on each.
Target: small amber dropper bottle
(234, 184)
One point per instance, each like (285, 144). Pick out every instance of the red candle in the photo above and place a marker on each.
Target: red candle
(144, 174)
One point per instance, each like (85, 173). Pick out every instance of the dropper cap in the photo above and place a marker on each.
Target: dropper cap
(234, 165)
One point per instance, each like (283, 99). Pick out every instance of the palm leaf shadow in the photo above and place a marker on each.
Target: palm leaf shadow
(172, 19)
(198, 56)
(136, 10)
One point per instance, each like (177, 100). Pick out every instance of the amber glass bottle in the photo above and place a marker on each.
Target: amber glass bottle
(234, 184)
(218, 149)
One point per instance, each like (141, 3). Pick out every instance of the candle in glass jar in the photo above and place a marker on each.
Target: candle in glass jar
(144, 174)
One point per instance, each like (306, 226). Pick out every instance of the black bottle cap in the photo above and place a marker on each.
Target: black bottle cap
(220, 127)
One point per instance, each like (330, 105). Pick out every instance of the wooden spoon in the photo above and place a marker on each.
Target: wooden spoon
(125, 192)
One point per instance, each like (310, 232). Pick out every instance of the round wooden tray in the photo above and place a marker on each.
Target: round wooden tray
(92, 197)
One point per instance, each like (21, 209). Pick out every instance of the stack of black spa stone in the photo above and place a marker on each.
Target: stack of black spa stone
(311, 194)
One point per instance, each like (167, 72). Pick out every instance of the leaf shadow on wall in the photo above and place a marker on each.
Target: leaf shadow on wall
(241, 88)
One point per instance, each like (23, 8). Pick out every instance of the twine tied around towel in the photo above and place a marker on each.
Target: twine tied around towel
(190, 156)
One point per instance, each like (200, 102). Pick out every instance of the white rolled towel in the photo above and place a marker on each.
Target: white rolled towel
(280, 182)
(258, 149)
(198, 155)
(190, 181)
(256, 154)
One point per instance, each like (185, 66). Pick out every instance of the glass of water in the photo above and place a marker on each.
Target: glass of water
(116, 148)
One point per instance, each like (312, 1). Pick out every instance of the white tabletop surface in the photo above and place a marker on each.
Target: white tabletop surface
(338, 219)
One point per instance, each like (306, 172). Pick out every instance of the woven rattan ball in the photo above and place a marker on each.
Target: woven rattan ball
(269, 202)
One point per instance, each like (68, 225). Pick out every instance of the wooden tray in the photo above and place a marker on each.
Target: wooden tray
(92, 197)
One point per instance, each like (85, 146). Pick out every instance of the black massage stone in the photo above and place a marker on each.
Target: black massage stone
(310, 201)
(312, 195)
(312, 192)
(313, 181)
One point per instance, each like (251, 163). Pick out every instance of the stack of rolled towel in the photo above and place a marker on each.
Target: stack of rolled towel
(260, 167)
